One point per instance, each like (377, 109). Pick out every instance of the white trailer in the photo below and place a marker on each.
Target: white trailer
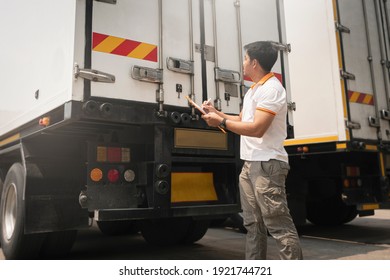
(338, 79)
(94, 123)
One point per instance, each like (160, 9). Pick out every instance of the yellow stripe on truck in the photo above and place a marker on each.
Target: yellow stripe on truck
(108, 45)
(291, 142)
(124, 47)
(10, 139)
(370, 206)
(192, 187)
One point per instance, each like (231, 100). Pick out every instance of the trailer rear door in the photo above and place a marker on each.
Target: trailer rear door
(365, 49)
(192, 46)
(312, 72)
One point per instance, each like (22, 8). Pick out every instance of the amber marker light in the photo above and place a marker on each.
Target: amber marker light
(96, 174)
(304, 149)
(44, 121)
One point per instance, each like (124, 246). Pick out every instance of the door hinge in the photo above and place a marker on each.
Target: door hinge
(208, 52)
(347, 75)
(342, 28)
(107, 1)
(352, 125)
(283, 47)
(93, 75)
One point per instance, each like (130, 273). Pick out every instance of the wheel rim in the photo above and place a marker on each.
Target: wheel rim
(9, 217)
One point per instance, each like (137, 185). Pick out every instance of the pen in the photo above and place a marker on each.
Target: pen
(209, 102)
(201, 110)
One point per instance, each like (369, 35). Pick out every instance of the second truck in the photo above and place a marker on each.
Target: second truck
(95, 126)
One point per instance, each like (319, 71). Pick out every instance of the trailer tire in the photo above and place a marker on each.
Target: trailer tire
(330, 212)
(1, 182)
(166, 231)
(113, 228)
(196, 231)
(14, 242)
(58, 244)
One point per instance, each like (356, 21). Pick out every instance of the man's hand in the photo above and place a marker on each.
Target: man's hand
(208, 107)
(212, 119)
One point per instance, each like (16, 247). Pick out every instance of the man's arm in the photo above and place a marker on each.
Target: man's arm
(257, 128)
(210, 109)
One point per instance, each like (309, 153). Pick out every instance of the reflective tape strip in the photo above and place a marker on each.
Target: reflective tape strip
(291, 142)
(10, 139)
(124, 47)
(192, 187)
(362, 98)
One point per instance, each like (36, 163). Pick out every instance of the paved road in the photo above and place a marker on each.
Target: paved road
(366, 238)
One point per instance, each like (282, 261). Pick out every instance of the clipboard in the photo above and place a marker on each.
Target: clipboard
(201, 110)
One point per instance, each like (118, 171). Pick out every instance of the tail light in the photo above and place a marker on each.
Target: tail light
(96, 174)
(352, 179)
(353, 171)
(113, 175)
(111, 165)
(112, 154)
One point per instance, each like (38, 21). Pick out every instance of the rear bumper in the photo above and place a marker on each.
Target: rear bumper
(181, 211)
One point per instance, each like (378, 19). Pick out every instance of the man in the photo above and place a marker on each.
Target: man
(262, 126)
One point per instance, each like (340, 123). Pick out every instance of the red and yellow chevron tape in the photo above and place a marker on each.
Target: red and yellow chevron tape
(358, 97)
(124, 47)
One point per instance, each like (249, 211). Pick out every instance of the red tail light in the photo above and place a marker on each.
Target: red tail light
(113, 175)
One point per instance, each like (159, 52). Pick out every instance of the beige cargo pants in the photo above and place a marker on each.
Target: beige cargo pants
(264, 205)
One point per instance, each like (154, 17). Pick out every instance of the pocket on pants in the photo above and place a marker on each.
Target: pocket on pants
(274, 168)
(271, 195)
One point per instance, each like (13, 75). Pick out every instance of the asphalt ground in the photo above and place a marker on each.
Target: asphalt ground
(365, 238)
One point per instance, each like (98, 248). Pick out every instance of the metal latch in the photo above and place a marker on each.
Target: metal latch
(372, 121)
(385, 114)
(352, 125)
(227, 76)
(283, 47)
(231, 90)
(147, 74)
(291, 106)
(180, 65)
(347, 75)
(342, 28)
(93, 75)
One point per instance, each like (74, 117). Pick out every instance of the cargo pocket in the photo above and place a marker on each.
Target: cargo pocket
(271, 189)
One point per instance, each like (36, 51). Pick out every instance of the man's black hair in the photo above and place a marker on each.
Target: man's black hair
(265, 52)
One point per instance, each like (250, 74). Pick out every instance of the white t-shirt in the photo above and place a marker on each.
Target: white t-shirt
(268, 95)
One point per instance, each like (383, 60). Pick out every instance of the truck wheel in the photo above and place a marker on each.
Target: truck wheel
(196, 231)
(58, 244)
(1, 182)
(14, 242)
(330, 212)
(167, 231)
(117, 227)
